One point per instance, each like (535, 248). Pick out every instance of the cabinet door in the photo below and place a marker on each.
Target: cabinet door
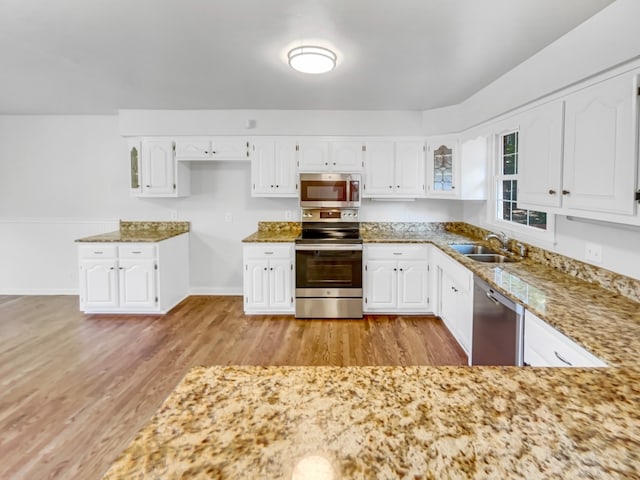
(158, 167)
(599, 166)
(448, 301)
(442, 163)
(413, 285)
(230, 148)
(379, 169)
(256, 284)
(346, 156)
(409, 169)
(382, 285)
(313, 156)
(263, 168)
(280, 284)
(193, 149)
(137, 278)
(98, 283)
(540, 156)
(286, 177)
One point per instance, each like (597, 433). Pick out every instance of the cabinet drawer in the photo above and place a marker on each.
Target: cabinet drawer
(544, 346)
(269, 250)
(98, 250)
(397, 252)
(137, 251)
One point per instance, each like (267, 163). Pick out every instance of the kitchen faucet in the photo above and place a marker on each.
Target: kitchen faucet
(504, 240)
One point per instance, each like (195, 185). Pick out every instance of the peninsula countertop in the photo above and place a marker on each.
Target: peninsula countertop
(392, 423)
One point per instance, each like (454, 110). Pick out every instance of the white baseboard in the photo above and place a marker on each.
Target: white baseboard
(215, 291)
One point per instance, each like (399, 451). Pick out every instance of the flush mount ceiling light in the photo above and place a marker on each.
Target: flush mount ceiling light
(309, 59)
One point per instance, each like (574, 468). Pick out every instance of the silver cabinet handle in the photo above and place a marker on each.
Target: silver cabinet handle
(268, 253)
(397, 253)
(559, 357)
(98, 253)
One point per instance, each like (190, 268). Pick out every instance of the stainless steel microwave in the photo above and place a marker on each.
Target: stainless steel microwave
(334, 190)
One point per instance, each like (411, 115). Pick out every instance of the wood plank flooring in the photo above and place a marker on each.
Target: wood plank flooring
(75, 388)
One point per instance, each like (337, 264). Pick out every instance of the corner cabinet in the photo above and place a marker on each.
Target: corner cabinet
(268, 278)
(273, 167)
(394, 169)
(154, 171)
(396, 278)
(544, 346)
(133, 277)
(457, 167)
(454, 297)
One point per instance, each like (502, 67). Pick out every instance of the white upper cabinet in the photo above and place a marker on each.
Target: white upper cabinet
(273, 167)
(442, 166)
(160, 175)
(326, 155)
(600, 147)
(215, 148)
(457, 167)
(540, 156)
(394, 169)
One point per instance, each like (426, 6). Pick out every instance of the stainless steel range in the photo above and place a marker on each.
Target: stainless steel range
(329, 264)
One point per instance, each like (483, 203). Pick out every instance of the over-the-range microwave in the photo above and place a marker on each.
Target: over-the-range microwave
(330, 190)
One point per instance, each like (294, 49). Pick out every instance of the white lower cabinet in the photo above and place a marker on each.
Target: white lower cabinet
(133, 277)
(268, 278)
(544, 346)
(454, 297)
(396, 278)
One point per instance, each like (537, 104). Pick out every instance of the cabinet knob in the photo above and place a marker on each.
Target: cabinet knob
(401, 270)
(552, 191)
(271, 186)
(271, 269)
(397, 186)
(452, 187)
(265, 269)
(395, 269)
(566, 192)
(390, 186)
(213, 152)
(334, 163)
(206, 152)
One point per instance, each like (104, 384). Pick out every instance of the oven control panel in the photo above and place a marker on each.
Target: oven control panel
(329, 214)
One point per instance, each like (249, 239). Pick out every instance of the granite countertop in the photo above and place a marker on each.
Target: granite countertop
(604, 322)
(131, 231)
(392, 423)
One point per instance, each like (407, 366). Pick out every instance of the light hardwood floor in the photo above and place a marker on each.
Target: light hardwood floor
(75, 388)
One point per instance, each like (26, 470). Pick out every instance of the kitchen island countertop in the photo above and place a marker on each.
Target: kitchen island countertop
(393, 422)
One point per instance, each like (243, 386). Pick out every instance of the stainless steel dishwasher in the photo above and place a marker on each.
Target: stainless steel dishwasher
(497, 327)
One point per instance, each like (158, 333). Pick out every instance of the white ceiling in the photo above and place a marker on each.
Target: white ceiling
(98, 56)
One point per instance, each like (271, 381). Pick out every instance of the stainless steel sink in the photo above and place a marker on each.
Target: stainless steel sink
(480, 253)
(469, 248)
(490, 258)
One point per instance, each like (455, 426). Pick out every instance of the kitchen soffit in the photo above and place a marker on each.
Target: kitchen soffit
(74, 56)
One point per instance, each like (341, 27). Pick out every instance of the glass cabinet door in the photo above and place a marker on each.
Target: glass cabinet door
(134, 158)
(443, 169)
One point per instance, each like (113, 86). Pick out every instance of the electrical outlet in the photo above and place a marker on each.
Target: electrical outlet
(593, 252)
(228, 217)
(288, 215)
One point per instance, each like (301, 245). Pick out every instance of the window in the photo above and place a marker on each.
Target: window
(507, 187)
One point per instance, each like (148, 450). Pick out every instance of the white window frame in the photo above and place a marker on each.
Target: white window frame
(494, 216)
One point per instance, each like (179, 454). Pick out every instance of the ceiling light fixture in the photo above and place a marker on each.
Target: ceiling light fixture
(310, 59)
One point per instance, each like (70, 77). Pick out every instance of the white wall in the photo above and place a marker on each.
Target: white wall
(66, 177)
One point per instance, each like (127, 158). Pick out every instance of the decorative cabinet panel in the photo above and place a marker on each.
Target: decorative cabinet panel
(313, 156)
(135, 149)
(396, 278)
(457, 167)
(273, 167)
(544, 346)
(268, 278)
(133, 277)
(346, 156)
(394, 169)
(216, 148)
(442, 166)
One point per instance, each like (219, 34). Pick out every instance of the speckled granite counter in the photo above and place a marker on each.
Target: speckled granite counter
(140, 232)
(392, 423)
(598, 309)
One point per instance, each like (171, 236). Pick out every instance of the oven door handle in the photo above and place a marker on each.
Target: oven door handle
(315, 246)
